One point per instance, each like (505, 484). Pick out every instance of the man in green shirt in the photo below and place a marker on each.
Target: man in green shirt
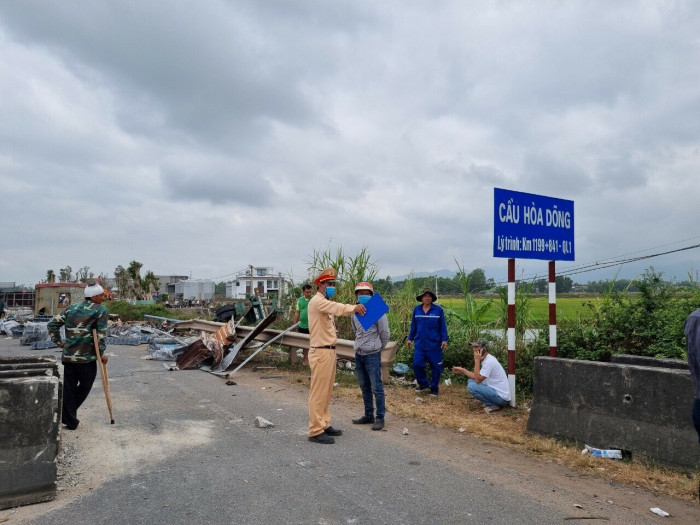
(302, 315)
(79, 357)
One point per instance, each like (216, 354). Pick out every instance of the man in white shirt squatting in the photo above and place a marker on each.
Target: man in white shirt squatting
(488, 382)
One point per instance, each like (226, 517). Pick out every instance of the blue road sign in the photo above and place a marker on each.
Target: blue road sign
(528, 226)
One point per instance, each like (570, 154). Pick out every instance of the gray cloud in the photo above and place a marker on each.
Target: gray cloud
(156, 125)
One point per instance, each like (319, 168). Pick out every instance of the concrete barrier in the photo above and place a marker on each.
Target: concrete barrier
(640, 409)
(30, 407)
(626, 359)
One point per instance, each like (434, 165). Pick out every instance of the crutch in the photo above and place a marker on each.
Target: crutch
(103, 375)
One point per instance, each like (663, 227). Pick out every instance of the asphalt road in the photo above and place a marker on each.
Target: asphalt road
(185, 449)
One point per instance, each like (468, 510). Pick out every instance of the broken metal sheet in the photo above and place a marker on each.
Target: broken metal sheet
(228, 360)
(197, 324)
(263, 346)
(194, 355)
(165, 352)
(220, 341)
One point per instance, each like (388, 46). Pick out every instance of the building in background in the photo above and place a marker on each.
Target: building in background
(257, 280)
(194, 289)
(166, 283)
(51, 298)
(7, 286)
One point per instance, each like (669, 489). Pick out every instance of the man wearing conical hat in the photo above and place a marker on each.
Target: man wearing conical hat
(429, 338)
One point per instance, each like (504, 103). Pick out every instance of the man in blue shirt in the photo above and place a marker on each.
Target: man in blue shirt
(429, 332)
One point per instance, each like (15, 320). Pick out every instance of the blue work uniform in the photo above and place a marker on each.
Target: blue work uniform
(428, 331)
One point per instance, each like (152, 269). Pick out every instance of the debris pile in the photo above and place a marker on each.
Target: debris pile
(129, 335)
(34, 332)
(208, 346)
(11, 327)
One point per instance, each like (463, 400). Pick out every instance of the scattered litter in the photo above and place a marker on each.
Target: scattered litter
(659, 512)
(400, 368)
(335, 384)
(462, 429)
(405, 431)
(170, 366)
(230, 383)
(419, 400)
(448, 381)
(578, 505)
(304, 463)
(261, 422)
(604, 453)
(348, 365)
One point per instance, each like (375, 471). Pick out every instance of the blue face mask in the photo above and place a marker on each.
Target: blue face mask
(363, 299)
(330, 291)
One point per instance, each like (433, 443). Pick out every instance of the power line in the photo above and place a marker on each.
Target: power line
(608, 263)
(613, 259)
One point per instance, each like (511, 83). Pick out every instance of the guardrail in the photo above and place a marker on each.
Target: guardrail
(344, 347)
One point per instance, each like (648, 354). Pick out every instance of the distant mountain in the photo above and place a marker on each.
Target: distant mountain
(437, 273)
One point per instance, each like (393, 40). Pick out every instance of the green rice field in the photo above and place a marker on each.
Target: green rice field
(567, 307)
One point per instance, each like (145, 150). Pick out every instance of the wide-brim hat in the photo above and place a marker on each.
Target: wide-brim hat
(364, 285)
(419, 297)
(329, 274)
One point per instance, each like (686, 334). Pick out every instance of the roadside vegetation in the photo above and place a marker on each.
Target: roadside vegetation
(645, 317)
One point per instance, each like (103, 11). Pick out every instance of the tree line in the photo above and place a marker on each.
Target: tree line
(127, 280)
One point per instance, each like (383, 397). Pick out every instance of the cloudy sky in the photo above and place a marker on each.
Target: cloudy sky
(201, 137)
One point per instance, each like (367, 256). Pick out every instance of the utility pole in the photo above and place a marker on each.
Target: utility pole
(251, 279)
(436, 289)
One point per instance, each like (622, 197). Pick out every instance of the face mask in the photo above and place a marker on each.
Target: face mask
(362, 299)
(330, 291)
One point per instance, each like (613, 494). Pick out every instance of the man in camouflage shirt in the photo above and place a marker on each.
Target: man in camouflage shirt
(79, 358)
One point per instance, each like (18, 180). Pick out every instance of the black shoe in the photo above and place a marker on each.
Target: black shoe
(434, 393)
(322, 438)
(420, 388)
(364, 420)
(72, 427)
(330, 431)
(378, 424)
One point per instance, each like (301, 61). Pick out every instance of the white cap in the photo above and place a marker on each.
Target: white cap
(93, 290)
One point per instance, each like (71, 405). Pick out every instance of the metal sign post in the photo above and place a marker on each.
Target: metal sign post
(531, 226)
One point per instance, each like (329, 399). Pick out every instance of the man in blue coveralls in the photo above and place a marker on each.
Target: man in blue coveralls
(429, 331)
